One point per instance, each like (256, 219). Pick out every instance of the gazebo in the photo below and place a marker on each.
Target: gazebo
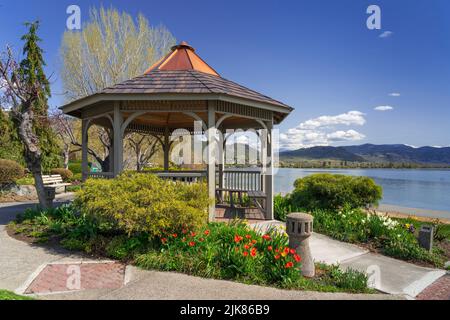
(179, 92)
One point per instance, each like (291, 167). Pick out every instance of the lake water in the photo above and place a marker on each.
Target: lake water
(423, 189)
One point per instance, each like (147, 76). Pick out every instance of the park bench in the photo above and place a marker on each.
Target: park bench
(55, 181)
(258, 198)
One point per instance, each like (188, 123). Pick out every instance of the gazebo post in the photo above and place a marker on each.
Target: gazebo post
(166, 148)
(84, 149)
(211, 161)
(268, 178)
(117, 141)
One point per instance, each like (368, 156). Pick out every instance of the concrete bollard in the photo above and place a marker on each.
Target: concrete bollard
(50, 193)
(299, 227)
(426, 237)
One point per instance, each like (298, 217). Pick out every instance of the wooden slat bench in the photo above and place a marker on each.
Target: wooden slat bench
(256, 197)
(259, 198)
(55, 181)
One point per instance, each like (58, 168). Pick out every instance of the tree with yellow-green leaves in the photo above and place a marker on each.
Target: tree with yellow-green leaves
(111, 47)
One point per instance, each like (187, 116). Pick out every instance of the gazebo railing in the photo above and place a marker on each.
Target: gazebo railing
(235, 179)
(182, 176)
(245, 180)
(100, 175)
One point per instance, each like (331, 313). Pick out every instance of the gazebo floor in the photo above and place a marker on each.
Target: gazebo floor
(224, 212)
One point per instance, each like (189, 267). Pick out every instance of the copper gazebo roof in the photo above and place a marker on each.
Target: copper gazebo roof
(181, 72)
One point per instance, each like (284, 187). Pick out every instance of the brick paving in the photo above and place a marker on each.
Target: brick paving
(439, 290)
(64, 277)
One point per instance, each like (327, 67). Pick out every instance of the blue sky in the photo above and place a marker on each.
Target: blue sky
(317, 56)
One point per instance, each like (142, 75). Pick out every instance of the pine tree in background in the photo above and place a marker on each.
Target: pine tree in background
(32, 70)
(10, 146)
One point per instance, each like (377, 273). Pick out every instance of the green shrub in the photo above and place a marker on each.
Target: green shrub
(65, 174)
(135, 203)
(351, 280)
(333, 191)
(77, 177)
(282, 206)
(75, 167)
(25, 181)
(10, 171)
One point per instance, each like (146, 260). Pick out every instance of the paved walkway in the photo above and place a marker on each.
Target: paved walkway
(21, 263)
(385, 274)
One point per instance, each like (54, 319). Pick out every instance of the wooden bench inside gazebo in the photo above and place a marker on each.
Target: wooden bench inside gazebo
(181, 91)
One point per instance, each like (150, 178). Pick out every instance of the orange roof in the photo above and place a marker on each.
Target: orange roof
(182, 57)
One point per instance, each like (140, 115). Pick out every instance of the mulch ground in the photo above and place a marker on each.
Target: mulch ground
(439, 290)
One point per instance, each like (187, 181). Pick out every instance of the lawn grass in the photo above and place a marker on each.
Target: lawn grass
(8, 295)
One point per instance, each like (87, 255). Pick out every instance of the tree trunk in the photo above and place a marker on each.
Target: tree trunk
(32, 153)
(66, 154)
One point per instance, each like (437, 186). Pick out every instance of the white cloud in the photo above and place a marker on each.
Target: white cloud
(395, 94)
(383, 108)
(349, 118)
(350, 135)
(320, 131)
(386, 34)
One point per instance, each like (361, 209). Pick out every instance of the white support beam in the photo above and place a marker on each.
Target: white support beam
(211, 161)
(268, 171)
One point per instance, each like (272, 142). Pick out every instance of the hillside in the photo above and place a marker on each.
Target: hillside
(396, 153)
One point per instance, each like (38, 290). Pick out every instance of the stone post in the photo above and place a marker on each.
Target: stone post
(426, 237)
(299, 227)
(50, 193)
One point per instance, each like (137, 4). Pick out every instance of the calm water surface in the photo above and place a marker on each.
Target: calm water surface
(424, 189)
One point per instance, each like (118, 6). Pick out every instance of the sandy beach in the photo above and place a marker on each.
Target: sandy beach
(420, 214)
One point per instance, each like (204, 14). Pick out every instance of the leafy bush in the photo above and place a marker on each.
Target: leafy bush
(282, 206)
(77, 177)
(75, 167)
(10, 171)
(65, 174)
(333, 191)
(24, 181)
(135, 203)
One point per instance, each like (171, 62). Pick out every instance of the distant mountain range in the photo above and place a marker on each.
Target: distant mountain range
(395, 153)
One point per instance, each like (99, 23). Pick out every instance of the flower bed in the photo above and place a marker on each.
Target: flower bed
(393, 237)
(216, 250)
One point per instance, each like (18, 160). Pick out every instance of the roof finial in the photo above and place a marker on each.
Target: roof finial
(183, 45)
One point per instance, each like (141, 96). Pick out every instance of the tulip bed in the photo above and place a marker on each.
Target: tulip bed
(232, 251)
(237, 252)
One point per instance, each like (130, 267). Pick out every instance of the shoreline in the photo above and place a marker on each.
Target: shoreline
(426, 215)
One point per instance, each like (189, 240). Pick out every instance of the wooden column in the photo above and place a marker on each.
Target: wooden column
(117, 141)
(211, 161)
(221, 158)
(268, 178)
(166, 148)
(84, 149)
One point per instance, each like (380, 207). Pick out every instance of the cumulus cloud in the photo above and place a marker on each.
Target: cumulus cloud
(386, 34)
(349, 118)
(321, 131)
(383, 108)
(350, 135)
(394, 94)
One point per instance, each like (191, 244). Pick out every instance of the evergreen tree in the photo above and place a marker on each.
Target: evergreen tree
(32, 70)
(10, 146)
